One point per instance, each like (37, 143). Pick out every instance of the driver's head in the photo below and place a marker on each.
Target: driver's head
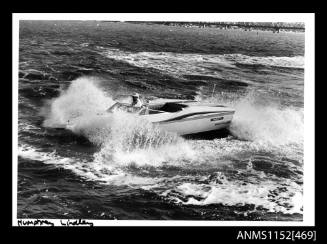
(135, 96)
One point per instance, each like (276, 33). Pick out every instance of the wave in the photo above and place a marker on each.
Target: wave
(33, 74)
(179, 64)
(123, 138)
(89, 170)
(259, 120)
(296, 62)
(270, 125)
(269, 195)
(82, 98)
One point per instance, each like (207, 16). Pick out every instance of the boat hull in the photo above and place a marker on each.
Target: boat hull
(198, 123)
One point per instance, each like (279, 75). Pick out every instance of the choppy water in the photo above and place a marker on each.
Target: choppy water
(121, 167)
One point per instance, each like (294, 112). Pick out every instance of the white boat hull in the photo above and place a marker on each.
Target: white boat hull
(193, 119)
(198, 124)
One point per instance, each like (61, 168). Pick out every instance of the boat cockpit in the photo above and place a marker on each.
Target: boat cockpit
(169, 107)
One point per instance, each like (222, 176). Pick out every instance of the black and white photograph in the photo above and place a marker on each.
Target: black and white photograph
(182, 119)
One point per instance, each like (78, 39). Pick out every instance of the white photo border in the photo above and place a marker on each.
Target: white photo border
(309, 104)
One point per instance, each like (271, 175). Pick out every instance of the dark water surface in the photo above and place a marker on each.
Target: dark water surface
(101, 169)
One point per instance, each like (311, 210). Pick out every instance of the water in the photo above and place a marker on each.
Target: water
(122, 167)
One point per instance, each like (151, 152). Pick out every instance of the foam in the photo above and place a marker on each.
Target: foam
(273, 61)
(124, 138)
(89, 170)
(179, 64)
(82, 98)
(190, 189)
(175, 154)
(237, 193)
(264, 122)
(267, 124)
(32, 153)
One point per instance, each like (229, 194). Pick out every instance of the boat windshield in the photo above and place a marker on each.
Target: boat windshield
(152, 109)
(169, 107)
(123, 107)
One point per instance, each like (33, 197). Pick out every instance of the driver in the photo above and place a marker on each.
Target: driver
(136, 101)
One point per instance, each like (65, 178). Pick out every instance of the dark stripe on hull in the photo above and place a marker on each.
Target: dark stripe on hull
(209, 135)
(186, 116)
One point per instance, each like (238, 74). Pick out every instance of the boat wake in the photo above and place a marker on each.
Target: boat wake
(259, 126)
(242, 185)
(233, 171)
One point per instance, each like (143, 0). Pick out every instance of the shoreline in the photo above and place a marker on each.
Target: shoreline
(246, 26)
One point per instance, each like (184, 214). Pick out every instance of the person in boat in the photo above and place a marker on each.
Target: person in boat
(136, 102)
(134, 107)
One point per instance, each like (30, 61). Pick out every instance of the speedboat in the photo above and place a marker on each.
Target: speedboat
(184, 117)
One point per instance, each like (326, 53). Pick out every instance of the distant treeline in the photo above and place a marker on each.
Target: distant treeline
(273, 26)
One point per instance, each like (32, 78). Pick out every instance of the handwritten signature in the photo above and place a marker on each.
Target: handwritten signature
(76, 222)
(37, 222)
(42, 222)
